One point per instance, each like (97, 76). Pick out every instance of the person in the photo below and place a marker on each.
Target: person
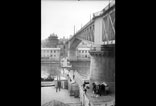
(97, 88)
(85, 90)
(56, 85)
(84, 85)
(59, 85)
(94, 87)
(100, 90)
(107, 89)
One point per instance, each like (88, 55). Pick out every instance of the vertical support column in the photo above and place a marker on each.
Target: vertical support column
(72, 54)
(68, 49)
(102, 67)
(98, 31)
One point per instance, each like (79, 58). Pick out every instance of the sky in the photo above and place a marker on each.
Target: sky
(60, 17)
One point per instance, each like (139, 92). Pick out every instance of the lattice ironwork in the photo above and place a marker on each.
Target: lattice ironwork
(109, 27)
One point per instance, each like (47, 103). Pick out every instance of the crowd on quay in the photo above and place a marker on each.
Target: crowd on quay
(98, 89)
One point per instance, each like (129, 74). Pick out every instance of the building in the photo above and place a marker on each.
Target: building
(51, 41)
(62, 40)
(61, 45)
(83, 53)
(50, 53)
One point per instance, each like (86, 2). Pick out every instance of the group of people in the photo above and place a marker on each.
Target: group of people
(97, 88)
(100, 89)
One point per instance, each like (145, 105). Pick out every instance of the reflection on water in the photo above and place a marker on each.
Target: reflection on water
(82, 67)
(49, 68)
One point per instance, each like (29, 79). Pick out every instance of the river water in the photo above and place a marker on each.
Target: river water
(49, 68)
(82, 67)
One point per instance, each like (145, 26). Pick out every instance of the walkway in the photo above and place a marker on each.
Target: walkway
(49, 94)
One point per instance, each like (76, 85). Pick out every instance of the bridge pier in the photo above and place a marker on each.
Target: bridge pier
(102, 67)
(72, 54)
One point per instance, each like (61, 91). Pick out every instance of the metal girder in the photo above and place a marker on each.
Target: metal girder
(109, 26)
(86, 33)
(75, 43)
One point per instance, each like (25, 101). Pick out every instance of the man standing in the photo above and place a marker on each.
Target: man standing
(59, 85)
(56, 85)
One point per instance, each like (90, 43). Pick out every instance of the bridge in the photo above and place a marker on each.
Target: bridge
(100, 32)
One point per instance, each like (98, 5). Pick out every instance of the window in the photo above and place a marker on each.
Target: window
(54, 51)
(86, 56)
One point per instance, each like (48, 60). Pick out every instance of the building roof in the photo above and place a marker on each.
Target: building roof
(50, 48)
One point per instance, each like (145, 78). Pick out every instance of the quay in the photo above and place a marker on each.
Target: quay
(100, 31)
(88, 99)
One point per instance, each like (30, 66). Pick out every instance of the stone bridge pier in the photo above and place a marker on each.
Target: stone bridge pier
(102, 66)
(72, 54)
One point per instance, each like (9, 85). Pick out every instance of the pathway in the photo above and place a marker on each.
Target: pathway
(49, 93)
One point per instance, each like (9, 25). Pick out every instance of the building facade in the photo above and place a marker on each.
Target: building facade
(50, 53)
(83, 53)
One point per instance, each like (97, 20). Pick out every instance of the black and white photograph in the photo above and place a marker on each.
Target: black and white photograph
(78, 53)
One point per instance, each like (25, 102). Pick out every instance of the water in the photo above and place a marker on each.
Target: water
(49, 68)
(83, 67)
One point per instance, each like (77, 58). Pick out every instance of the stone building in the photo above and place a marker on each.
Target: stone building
(83, 53)
(50, 53)
(52, 41)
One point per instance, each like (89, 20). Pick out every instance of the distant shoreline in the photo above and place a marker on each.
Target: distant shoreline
(50, 62)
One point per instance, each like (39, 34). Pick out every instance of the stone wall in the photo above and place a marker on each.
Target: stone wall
(102, 69)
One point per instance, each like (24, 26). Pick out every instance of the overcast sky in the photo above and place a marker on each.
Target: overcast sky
(59, 17)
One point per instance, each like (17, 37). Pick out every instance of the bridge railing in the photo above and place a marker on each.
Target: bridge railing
(99, 47)
(99, 13)
(92, 49)
(80, 78)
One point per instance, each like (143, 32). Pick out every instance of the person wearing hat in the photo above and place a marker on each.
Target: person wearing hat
(106, 88)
